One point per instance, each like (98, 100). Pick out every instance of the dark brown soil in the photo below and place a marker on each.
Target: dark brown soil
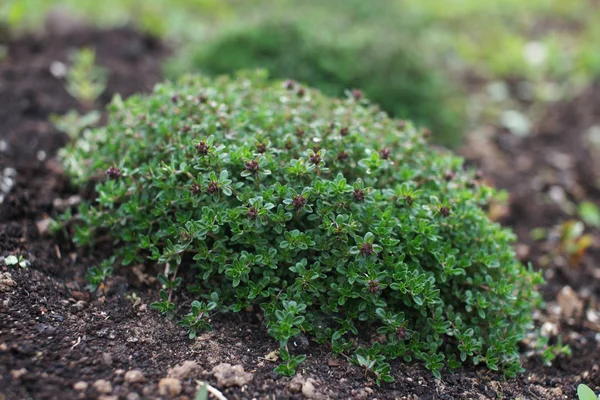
(55, 335)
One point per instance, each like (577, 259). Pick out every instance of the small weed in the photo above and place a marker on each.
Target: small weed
(73, 123)
(19, 261)
(585, 393)
(85, 80)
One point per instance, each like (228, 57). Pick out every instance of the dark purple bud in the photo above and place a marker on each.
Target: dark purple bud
(366, 249)
(385, 153)
(374, 286)
(290, 84)
(342, 156)
(261, 148)
(213, 187)
(298, 202)
(195, 188)
(357, 94)
(113, 173)
(252, 166)
(444, 211)
(344, 131)
(315, 158)
(202, 148)
(252, 213)
(359, 195)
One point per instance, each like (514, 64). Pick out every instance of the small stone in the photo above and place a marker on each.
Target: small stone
(102, 386)
(569, 302)
(170, 386)
(549, 329)
(133, 396)
(228, 375)
(6, 281)
(107, 358)
(79, 306)
(308, 389)
(3, 347)
(107, 397)
(134, 376)
(80, 386)
(43, 225)
(295, 385)
(18, 373)
(183, 371)
(83, 296)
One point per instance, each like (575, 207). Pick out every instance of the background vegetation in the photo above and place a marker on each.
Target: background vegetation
(409, 55)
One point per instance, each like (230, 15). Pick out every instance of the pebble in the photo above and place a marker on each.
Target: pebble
(80, 386)
(18, 373)
(308, 389)
(569, 302)
(228, 375)
(6, 281)
(183, 371)
(134, 376)
(170, 386)
(133, 396)
(107, 358)
(102, 386)
(79, 306)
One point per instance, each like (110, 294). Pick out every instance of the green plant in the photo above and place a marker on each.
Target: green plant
(585, 393)
(14, 260)
(85, 80)
(73, 123)
(550, 352)
(336, 220)
(390, 72)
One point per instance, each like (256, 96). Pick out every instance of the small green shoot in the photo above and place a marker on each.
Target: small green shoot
(73, 123)
(585, 393)
(85, 80)
(590, 214)
(20, 261)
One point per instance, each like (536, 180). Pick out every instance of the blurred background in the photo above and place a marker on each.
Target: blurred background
(450, 65)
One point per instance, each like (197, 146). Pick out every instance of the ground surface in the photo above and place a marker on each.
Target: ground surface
(58, 342)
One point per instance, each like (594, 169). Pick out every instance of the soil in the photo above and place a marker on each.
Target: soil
(58, 341)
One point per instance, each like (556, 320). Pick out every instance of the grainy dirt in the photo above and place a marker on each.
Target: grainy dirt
(57, 341)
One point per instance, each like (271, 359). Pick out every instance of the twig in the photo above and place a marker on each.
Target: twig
(212, 390)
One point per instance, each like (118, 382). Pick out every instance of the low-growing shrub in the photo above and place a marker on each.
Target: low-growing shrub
(389, 69)
(336, 220)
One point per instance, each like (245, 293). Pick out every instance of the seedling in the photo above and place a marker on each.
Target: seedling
(85, 80)
(238, 185)
(73, 123)
(13, 260)
(585, 393)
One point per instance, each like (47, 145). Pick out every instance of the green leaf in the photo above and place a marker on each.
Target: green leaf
(11, 260)
(585, 393)
(590, 213)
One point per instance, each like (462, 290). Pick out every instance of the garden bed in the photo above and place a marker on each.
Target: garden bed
(55, 335)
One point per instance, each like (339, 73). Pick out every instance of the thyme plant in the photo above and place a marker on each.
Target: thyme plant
(336, 220)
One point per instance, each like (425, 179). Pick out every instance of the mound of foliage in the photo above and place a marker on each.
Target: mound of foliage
(336, 220)
(390, 70)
